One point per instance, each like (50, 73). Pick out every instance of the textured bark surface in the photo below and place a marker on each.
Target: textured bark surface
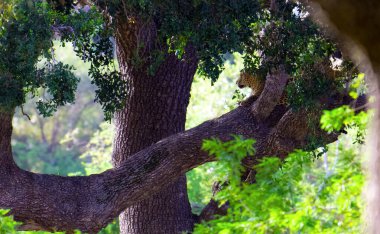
(89, 203)
(5, 137)
(269, 98)
(155, 109)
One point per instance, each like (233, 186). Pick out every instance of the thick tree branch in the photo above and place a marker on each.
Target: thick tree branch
(52, 202)
(88, 203)
(273, 91)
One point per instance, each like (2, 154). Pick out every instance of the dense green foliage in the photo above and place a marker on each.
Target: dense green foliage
(6, 223)
(28, 64)
(213, 28)
(345, 117)
(285, 36)
(304, 194)
(301, 195)
(22, 43)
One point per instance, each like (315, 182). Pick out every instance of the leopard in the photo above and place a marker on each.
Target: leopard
(256, 84)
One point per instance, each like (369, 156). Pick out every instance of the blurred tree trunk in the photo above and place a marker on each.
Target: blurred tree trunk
(155, 109)
(358, 22)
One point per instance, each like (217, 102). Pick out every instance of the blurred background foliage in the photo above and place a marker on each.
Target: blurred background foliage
(53, 144)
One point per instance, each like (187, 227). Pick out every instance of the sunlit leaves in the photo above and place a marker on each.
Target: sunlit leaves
(356, 85)
(300, 195)
(61, 85)
(334, 120)
(230, 154)
(344, 117)
(6, 13)
(7, 225)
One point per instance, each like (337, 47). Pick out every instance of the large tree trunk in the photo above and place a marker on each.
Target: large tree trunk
(6, 159)
(155, 109)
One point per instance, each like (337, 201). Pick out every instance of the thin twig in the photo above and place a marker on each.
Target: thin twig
(22, 111)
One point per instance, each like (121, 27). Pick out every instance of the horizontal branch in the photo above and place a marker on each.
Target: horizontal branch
(89, 203)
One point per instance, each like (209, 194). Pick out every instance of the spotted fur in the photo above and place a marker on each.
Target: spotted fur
(256, 84)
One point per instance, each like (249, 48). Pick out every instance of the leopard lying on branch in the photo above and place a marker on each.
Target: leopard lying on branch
(256, 84)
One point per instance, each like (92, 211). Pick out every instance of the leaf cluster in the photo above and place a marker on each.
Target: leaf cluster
(345, 117)
(287, 37)
(22, 43)
(61, 85)
(93, 42)
(300, 195)
(212, 27)
(28, 64)
(230, 154)
(7, 224)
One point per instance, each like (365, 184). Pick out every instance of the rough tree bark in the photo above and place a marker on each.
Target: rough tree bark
(6, 158)
(49, 202)
(155, 109)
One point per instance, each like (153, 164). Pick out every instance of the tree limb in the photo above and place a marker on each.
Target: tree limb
(88, 203)
(273, 90)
